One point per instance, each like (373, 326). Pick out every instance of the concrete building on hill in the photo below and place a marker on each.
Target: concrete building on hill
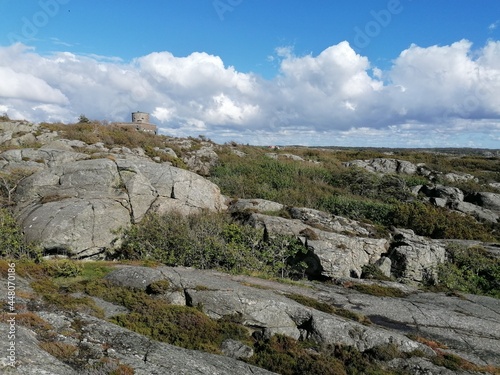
(140, 122)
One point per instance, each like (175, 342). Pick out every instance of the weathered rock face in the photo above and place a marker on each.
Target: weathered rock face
(331, 254)
(101, 339)
(263, 311)
(76, 208)
(382, 165)
(254, 205)
(448, 193)
(489, 201)
(478, 212)
(414, 259)
(202, 160)
(344, 256)
(482, 206)
(328, 222)
(459, 177)
(30, 358)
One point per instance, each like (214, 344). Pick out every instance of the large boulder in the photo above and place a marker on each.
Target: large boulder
(77, 208)
(414, 259)
(340, 255)
(448, 193)
(201, 160)
(330, 254)
(254, 205)
(46, 156)
(383, 165)
(480, 213)
(487, 200)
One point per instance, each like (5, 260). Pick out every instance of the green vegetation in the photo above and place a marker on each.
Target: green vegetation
(186, 327)
(13, 244)
(287, 356)
(471, 270)
(325, 307)
(212, 240)
(379, 290)
(385, 200)
(92, 132)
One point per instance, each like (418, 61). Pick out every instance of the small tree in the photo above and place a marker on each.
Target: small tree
(82, 119)
(9, 182)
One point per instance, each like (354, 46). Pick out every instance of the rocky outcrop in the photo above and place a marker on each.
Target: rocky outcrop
(483, 206)
(396, 166)
(414, 259)
(478, 212)
(202, 160)
(332, 223)
(330, 254)
(77, 208)
(382, 165)
(29, 358)
(264, 311)
(460, 177)
(487, 200)
(467, 325)
(254, 205)
(101, 340)
(447, 193)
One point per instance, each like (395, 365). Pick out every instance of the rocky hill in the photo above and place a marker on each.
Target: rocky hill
(395, 259)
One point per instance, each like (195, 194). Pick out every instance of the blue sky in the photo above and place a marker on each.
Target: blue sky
(396, 73)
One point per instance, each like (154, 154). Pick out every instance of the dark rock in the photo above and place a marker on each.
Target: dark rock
(236, 349)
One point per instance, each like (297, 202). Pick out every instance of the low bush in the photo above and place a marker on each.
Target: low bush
(60, 350)
(321, 306)
(358, 208)
(471, 270)
(177, 325)
(13, 244)
(287, 356)
(379, 290)
(63, 268)
(211, 240)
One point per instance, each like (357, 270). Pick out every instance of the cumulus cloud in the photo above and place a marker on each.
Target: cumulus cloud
(437, 95)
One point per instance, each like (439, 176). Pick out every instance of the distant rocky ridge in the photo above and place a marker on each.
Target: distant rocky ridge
(482, 205)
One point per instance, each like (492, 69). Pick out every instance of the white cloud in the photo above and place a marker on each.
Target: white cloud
(27, 87)
(447, 93)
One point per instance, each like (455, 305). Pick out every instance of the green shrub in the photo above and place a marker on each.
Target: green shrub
(12, 241)
(358, 208)
(321, 306)
(211, 240)
(177, 325)
(437, 222)
(63, 268)
(53, 295)
(471, 270)
(286, 356)
(158, 287)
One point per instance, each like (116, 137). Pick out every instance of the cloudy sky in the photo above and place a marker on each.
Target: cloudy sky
(394, 73)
